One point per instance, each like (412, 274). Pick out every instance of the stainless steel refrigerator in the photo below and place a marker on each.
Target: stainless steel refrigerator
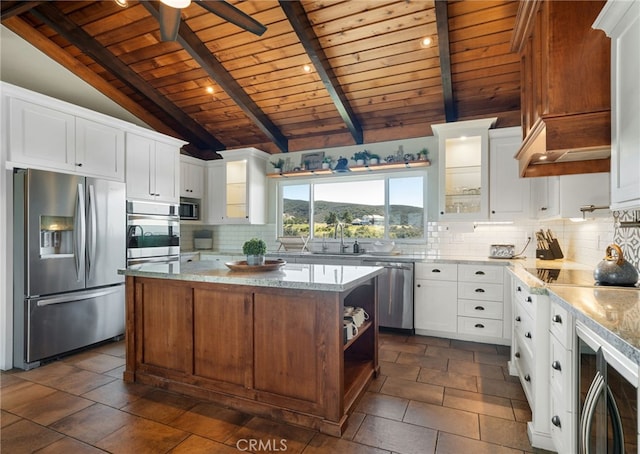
(69, 234)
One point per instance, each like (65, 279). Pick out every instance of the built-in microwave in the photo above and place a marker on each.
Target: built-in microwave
(189, 209)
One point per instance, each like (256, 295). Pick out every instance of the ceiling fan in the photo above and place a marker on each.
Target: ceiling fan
(170, 11)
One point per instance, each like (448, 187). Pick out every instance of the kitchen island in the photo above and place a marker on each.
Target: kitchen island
(267, 343)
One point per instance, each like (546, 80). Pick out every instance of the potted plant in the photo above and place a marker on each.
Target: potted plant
(326, 162)
(359, 157)
(254, 249)
(278, 165)
(374, 159)
(423, 154)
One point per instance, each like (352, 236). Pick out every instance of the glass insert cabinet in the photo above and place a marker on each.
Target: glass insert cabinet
(463, 155)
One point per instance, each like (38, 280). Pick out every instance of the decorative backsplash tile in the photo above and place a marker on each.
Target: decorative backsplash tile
(628, 238)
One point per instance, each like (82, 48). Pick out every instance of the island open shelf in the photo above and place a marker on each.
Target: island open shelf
(273, 352)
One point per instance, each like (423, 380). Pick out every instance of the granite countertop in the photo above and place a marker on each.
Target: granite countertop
(291, 276)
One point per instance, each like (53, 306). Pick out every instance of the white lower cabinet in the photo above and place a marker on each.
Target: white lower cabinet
(460, 301)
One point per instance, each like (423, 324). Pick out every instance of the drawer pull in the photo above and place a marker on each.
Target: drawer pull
(479, 308)
(435, 270)
(517, 354)
(479, 290)
(556, 319)
(529, 299)
(518, 289)
(556, 365)
(527, 377)
(479, 325)
(556, 421)
(527, 334)
(479, 273)
(418, 285)
(518, 319)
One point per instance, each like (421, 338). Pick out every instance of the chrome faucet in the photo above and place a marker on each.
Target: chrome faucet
(343, 247)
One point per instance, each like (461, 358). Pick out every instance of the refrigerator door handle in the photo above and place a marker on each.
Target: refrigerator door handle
(80, 234)
(92, 231)
(77, 297)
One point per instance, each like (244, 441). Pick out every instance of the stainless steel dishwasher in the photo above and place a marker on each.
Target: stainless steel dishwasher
(395, 295)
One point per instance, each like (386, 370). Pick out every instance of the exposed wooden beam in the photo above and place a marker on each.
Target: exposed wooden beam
(200, 53)
(302, 26)
(442, 22)
(179, 121)
(12, 9)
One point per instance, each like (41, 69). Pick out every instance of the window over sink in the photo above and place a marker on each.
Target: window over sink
(381, 207)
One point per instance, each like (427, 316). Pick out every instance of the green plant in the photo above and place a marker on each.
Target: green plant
(423, 153)
(327, 159)
(254, 246)
(374, 156)
(278, 164)
(359, 155)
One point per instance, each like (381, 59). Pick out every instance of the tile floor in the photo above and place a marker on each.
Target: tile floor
(433, 396)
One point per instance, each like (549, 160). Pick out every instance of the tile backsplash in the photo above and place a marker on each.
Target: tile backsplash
(582, 242)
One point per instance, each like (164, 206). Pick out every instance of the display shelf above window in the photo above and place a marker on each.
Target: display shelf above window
(364, 168)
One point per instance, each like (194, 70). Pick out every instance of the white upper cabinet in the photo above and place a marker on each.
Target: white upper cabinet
(153, 167)
(621, 22)
(508, 193)
(463, 163)
(563, 196)
(191, 177)
(49, 134)
(237, 187)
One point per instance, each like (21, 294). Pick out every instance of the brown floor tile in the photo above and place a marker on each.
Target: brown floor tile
(80, 382)
(448, 353)
(491, 358)
(431, 362)
(142, 436)
(68, 445)
(199, 445)
(502, 432)
(413, 390)
(478, 403)
(388, 355)
(385, 336)
(51, 407)
(93, 423)
(113, 348)
(161, 406)
(7, 418)
(118, 393)
(443, 418)
(455, 444)
(477, 369)
(521, 410)
(353, 424)
(100, 363)
(474, 346)
(428, 340)
(22, 393)
(396, 436)
(118, 372)
(377, 383)
(324, 444)
(403, 347)
(25, 436)
(511, 390)
(7, 379)
(49, 373)
(448, 379)
(384, 406)
(211, 421)
(404, 371)
(273, 433)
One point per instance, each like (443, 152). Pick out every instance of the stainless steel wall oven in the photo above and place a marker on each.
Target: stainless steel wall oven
(153, 233)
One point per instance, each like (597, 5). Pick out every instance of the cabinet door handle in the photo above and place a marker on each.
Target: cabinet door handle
(518, 319)
(518, 289)
(527, 377)
(543, 209)
(556, 421)
(78, 164)
(517, 354)
(479, 273)
(479, 325)
(529, 299)
(418, 285)
(528, 335)
(435, 270)
(556, 319)
(479, 308)
(479, 290)
(556, 365)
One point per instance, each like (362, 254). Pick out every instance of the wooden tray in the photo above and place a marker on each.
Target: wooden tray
(269, 265)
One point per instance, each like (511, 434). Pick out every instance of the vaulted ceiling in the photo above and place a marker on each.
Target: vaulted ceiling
(371, 79)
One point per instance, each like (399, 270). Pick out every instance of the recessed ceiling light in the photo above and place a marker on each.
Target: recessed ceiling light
(177, 3)
(307, 68)
(426, 42)
(122, 3)
(210, 90)
(543, 157)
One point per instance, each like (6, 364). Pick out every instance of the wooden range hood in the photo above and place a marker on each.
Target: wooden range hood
(565, 88)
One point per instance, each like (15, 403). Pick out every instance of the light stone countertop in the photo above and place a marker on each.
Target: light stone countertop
(333, 278)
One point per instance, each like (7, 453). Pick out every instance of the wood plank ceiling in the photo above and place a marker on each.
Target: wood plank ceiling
(371, 78)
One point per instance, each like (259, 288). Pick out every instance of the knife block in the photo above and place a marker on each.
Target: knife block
(554, 252)
(544, 254)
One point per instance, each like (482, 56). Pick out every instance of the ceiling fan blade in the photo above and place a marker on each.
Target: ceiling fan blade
(169, 22)
(234, 15)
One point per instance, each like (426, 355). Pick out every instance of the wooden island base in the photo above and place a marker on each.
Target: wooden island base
(272, 352)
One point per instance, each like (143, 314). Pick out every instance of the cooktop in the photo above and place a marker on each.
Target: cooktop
(583, 278)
